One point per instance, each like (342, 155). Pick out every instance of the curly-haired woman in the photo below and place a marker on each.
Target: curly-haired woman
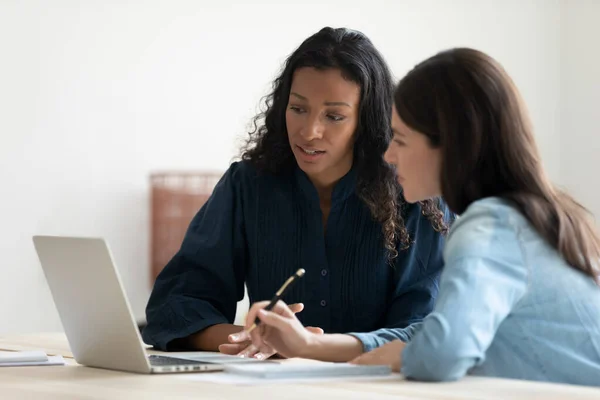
(312, 191)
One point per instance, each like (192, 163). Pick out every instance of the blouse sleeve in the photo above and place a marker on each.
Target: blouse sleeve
(202, 283)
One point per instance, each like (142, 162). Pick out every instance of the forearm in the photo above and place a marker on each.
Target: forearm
(333, 347)
(208, 339)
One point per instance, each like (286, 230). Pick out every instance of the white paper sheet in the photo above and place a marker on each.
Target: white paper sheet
(52, 360)
(235, 379)
(22, 356)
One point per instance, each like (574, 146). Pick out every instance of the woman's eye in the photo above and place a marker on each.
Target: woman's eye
(335, 118)
(296, 109)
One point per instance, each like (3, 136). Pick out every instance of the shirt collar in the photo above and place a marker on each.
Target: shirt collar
(345, 187)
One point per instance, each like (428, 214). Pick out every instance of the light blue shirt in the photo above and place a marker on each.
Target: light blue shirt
(508, 306)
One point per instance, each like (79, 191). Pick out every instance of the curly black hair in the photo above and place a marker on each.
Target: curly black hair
(350, 51)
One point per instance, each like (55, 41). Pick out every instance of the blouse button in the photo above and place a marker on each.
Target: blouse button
(323, 303)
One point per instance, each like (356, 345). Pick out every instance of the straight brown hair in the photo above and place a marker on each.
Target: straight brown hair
(466, 104)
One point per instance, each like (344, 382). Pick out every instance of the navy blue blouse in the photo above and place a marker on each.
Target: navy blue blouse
(258, 229)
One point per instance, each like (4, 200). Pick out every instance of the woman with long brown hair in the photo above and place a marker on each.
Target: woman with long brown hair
(519, 295)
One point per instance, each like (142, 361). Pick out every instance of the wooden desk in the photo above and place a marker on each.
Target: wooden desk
(78, 382)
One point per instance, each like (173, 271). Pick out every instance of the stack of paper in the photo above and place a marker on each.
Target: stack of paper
(28, 358)
(286, 372)
(324, 370)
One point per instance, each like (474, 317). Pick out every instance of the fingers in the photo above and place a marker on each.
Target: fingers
(258, 336)
(272, 324)
(365, 359)
(357, 361)
(370, 358)
(280, 308)
(315, 330)
(264, 355)
(388, 354)
(248, 352)
(273, 319)
(239, 337)
(232, 349)
(283, 309)
(375, 357)
(281, 319)
(261, 352)
(296, 307)
(251, 316)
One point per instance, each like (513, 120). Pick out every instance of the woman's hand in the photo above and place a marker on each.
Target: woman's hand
(241, 343)
(280, 331)
(388, 354)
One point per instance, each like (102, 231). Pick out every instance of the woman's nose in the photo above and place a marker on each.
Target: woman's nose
(312, 130)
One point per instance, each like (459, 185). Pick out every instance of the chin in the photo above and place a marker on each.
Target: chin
(415, 199)
(312, 168)
(409, 197)
(409, 200)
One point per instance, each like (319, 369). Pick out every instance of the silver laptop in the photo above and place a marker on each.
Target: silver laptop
(94, 311)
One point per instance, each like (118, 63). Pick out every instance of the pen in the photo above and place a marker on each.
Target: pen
(299, 274)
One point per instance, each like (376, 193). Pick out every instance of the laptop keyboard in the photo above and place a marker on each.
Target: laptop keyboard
(161, 361)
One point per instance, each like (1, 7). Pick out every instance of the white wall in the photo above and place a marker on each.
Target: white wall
(95, 95)
(580, 101)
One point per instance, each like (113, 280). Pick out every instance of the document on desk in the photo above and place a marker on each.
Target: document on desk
(260, 374)
(28, 358)
(325, 370)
